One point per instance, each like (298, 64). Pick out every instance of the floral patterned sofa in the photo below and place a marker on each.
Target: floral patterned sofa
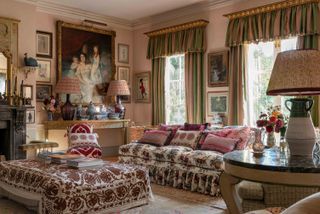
(178, 166)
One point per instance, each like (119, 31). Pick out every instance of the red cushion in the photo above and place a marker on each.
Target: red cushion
(194, 127)
(219, 144)
(155, 137)
(83, 139)
(88, 151)
(219, 133)
(80, 128)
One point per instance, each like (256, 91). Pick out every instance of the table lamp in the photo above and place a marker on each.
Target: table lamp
(118, 88)
(68, 86)
(297, 73)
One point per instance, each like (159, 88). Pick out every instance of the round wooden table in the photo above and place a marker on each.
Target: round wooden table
(272, 167)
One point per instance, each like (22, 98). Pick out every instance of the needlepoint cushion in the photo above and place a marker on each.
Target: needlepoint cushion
(80, 128)
(186, 138)
(219, 144)
(172, 128)
(155, 137)
(83, 139)
(194, 127)
(88, 151)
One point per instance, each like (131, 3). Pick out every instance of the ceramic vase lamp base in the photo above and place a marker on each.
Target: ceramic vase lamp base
(300, 135)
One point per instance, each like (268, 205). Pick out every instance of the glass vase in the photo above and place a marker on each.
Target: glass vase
(271, 140)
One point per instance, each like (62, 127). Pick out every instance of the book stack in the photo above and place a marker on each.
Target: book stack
(84, 162)
(63, 158)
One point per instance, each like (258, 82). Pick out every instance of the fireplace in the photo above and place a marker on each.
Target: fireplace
(12, 132)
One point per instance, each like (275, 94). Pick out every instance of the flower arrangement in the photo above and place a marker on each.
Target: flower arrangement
(50, 104)
(273, 121)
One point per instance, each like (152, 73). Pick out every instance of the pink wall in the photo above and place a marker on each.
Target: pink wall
(31, 21)
(216, 31)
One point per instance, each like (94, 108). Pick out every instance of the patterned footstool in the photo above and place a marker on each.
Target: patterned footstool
(59, 189)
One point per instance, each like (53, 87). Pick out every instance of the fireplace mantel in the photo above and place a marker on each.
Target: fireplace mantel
(12, 131)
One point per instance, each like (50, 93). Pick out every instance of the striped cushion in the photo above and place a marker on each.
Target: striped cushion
(219, 144)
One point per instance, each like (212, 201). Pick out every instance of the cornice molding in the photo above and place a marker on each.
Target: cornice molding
(74, 13)
(181, 13)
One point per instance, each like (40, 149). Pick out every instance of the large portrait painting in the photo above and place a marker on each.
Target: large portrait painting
(86, 53)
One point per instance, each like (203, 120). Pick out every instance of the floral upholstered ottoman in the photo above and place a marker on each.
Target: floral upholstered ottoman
(59, 189)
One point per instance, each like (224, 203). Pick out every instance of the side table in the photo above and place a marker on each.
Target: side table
(273, 167)
(39, 145)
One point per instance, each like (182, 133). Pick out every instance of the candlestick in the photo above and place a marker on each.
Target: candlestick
(21, 89)
(15, 85)
(5, 87)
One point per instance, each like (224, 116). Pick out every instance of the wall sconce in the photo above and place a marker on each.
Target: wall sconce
(27, 69)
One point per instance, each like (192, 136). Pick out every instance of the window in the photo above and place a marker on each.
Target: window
(175, 90)
(260, 60)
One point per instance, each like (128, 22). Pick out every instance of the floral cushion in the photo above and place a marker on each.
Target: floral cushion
(155, 137)
(88, 151)
(186, 138)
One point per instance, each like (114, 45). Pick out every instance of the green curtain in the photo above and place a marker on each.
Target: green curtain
(299, 20)
(192, 43)
(237, 74)
(311, 42)
(180, 42)
(158, 101)
(194, 81)
(277, 24)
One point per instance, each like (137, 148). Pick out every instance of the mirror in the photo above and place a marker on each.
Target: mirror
(5, 71)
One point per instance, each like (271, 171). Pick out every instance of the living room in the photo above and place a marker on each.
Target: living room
(208, 105)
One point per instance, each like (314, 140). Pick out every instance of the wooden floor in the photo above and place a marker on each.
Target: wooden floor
(112, 158)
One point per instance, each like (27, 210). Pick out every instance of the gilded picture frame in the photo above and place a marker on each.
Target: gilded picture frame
(142, 87)
(90, 58)
(218, 69)
(217, 102)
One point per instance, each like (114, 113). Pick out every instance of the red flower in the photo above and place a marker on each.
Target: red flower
(269, 128)
(272, 119)
(262, 123)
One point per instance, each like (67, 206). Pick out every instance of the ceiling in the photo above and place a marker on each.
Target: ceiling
(126, 9)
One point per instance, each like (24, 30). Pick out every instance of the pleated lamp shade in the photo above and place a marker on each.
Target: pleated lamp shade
(295, 73)
(118, 88)
(68, 85)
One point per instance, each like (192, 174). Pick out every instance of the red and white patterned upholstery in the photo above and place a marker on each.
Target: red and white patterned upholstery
(82, 141)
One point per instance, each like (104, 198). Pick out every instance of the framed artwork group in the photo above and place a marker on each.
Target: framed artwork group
(218, 76)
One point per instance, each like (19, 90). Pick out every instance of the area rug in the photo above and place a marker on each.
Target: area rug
(167, 200)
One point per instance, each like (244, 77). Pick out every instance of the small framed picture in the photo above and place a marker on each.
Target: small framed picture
(44, 44)
(27, 91)
(217, 102)
(30, 116)
(43, 73)
(218, 69)
(43, 92)
(123, 53)
(142, 87)
(123, 73)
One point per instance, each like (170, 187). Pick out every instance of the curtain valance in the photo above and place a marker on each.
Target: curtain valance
(277, 23)
(179, 39)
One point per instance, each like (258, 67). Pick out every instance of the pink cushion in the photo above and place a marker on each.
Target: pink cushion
(83, 139)
(242, 134)
(155, 137)
(186, 138)
(220, 133)
(219, 144)
(80, 128)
